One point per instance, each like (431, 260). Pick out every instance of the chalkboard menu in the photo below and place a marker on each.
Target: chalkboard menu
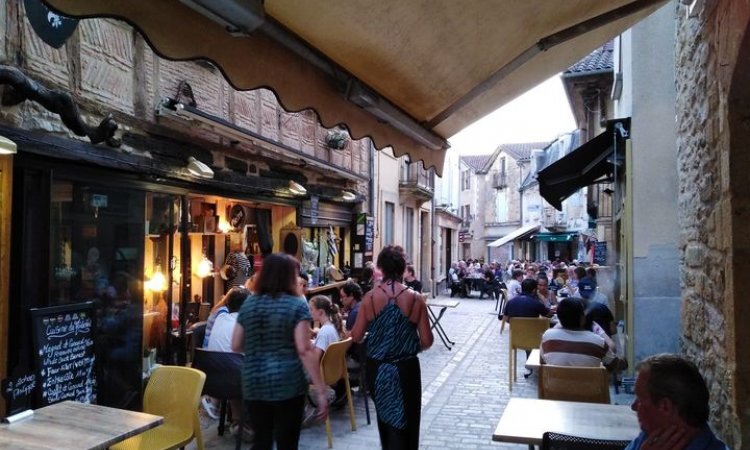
(64, 353)
(18, 391)
(600, 253)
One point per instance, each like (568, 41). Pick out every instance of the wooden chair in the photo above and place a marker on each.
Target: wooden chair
(173, 392)
(525, 334)
(558, 441)
(574, 384)
(332, 369)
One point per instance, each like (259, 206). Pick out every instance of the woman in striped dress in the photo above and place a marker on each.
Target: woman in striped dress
(395, 320)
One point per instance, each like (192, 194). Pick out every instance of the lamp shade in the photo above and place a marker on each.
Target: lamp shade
(296, 188)
(199, 169)
(7, 147)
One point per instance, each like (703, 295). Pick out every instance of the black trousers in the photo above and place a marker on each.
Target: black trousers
(410, 375)
(279, 421)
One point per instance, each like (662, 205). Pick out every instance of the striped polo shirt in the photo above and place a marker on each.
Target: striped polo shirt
(562, 347)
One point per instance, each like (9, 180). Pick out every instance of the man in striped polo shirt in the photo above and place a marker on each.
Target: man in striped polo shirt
(569, 344)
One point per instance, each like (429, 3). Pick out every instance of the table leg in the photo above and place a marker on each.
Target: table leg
(439, 328)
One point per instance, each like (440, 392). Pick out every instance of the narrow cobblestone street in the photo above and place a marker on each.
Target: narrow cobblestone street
(465, 391)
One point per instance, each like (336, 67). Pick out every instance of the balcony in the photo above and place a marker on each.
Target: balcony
(416, 183)
(500, 180)
(552, 218)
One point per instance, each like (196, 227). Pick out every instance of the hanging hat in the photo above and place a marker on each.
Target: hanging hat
(227, 272)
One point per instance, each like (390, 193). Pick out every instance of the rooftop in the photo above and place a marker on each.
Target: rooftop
(597, 61)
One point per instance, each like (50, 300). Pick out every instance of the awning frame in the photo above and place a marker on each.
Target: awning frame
(584, 166)
(515, 234)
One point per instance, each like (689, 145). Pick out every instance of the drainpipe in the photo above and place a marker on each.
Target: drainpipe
(433, 241)
(371, 183)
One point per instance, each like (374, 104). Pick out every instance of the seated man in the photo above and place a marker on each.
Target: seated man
(571, 344)
(671, 402)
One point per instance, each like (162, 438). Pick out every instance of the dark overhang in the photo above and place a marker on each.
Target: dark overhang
(593, 162)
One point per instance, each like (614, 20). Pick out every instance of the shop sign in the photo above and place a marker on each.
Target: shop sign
(314, 200)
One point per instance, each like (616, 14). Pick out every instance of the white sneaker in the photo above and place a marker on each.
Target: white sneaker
(208, 406)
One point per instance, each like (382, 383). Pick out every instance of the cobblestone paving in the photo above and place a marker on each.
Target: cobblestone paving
(465, 391)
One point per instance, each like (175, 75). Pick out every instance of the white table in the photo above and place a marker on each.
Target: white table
(75, 426)
(435, 318)
(525, 420)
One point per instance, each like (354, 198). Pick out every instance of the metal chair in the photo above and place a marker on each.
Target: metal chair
(525, 334)
(173, 392)
(332, 369)
(574, 384)
(557, 441)
(223, 379)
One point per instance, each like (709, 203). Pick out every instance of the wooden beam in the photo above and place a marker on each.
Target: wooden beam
(6, 191)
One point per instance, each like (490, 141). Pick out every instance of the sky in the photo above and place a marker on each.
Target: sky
(541, 114)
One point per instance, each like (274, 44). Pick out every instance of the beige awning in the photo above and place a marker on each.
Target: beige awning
(409, 74)
(515, 234)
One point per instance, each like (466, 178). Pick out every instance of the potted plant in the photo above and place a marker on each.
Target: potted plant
(337, 139)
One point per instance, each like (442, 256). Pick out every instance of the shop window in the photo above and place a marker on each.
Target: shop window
(96, 254)
(390, 213)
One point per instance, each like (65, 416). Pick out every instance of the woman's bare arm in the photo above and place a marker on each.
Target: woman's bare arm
(238, 338)
(311, 362)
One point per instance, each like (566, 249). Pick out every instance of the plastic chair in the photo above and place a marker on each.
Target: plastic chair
(172, 392)
(525, 334)
(332, 369)
(557, 441)
(223, 378)
(574, 384)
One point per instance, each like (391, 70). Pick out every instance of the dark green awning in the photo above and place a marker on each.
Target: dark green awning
(555, 237)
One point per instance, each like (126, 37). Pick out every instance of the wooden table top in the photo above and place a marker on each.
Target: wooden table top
(525, 420)
(326, 287)
(534, 360)
(75, 426)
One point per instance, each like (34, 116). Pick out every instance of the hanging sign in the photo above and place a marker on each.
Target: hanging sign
(52, 28)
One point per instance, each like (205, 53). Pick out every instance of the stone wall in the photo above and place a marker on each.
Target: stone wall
(108, 67)
(712, 208)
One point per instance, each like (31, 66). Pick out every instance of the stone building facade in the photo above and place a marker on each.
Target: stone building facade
(713, 103)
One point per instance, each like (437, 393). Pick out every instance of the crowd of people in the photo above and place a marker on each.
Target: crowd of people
(283, 337)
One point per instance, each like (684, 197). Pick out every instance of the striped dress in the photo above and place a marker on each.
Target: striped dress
(394, 375)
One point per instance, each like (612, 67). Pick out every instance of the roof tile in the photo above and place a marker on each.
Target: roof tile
(598, 60)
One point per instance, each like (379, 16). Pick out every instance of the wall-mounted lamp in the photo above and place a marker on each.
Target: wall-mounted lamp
(348, 196)
(224, 226)
(296, 188)
(7, 147)
(158, 282)
(199, 169)
(205, 267)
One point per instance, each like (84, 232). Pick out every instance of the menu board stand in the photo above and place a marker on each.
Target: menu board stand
(64, 353)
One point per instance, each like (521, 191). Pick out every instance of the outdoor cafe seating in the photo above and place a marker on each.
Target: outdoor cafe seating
(332, 369)
(174, 393)
(223, 379)
(574, 384)
(525, 334)
(559, 441)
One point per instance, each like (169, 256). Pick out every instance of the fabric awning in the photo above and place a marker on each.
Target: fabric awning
(555, 237)
(515, 234)
(584, 166)
(407, 74)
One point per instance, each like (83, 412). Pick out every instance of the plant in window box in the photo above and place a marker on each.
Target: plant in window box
(337, 139)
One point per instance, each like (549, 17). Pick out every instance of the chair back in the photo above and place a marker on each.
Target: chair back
(223, 373)
(197, 337)
(557, 441)
(526, 332)
(333, 362)
(204, 311)
(574, 384)
(148, 325)
(174, 392)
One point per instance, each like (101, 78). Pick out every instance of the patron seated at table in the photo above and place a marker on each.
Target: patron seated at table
(410, 280)
(220, 340)
(570, 344)
(671, 402)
